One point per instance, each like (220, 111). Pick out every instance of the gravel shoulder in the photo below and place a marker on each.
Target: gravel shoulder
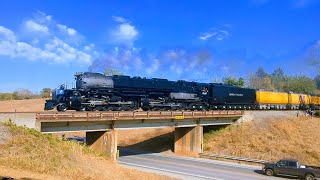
(5, 134)
(262, 116)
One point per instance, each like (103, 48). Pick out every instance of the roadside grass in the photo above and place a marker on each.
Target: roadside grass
(207, 136)
(42, 153)
(35, 152)
(296, 138)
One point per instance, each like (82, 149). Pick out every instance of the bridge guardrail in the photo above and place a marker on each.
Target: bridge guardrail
(234, 158)
(136, 114)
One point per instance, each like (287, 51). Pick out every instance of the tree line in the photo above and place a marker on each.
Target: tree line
(25, 94)
(277, 81)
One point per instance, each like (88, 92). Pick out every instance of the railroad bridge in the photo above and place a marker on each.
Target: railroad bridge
(101, 127)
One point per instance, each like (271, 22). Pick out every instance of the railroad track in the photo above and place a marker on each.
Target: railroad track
(136, 114)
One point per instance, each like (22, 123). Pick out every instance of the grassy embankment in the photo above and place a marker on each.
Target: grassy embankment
(30, 152)
(269, 139)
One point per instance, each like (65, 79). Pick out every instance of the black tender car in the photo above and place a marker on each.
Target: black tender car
(232, 97)
(291, 168)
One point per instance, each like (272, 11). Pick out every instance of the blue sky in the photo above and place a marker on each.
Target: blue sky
(43, 43)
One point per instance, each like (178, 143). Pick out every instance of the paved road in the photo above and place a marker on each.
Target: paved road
(189, 168)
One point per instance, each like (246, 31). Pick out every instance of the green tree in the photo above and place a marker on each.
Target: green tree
(301, 84)
(45, 92)
(233, 81)
(111, 72)
(23, 94)
(317, 80)
(261, 73)
(260, 82)
(6, 96)
(279, 79)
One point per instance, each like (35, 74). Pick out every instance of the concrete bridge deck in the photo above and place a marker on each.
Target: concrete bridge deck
(101, 127)
(57, 122)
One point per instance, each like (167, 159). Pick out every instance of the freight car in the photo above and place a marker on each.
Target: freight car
(282, 100)
(271, 100)
(94, 91)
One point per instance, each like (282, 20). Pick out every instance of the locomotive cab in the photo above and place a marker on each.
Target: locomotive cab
(57, 95)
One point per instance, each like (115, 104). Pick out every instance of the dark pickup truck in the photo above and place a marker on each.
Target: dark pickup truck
(291, 168)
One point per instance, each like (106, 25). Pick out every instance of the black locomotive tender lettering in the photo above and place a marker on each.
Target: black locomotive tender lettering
(235, 94)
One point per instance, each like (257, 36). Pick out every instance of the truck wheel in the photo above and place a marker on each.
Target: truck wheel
(269, 172)
(309, 177)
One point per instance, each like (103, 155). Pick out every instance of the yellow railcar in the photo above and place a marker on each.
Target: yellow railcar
(315, 99)
(267, 97)
(271, 100)
(308, 99)
(317, 102)
(296, 99)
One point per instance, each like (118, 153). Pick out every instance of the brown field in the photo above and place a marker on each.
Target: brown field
(269, 139)
(27, 105)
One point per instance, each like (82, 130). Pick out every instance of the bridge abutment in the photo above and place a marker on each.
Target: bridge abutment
(188, 140)
(104, 142)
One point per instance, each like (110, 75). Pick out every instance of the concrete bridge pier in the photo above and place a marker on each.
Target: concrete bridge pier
(188, 140)
(104, 142)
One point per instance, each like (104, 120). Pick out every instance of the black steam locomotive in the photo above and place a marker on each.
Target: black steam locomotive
(95, 91)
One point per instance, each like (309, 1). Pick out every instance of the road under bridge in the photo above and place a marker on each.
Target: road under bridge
(101, 127)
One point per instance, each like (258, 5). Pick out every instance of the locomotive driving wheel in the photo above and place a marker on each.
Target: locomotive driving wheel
(82, 108)
(89, 108)
(133, 106)
(62, 107)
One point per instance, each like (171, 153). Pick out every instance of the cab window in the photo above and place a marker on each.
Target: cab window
(292, 164)
(282, 163)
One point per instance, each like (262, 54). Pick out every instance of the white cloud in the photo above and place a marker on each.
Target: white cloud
(67, 30)
(154, 67)
(119, 19)
(176, 63)
(32, 26)
(7, 34)
(124, 58)
(214, 33)
(312, 55)
(56, 51)
(54, 47)
(41, 22)
(208, 35)
(67, 53)
(6, 48)
(124, 33)
(225, 69)
(42, 17)
(176, 69)
(89, 47)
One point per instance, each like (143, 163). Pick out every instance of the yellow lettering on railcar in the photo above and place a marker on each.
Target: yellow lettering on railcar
(179, 117)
